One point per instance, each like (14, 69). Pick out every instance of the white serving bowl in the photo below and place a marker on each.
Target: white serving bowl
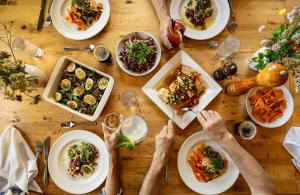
(120, 47)
(56, 78)
(286, 114)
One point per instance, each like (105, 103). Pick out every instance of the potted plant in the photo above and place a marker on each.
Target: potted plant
(283, 47)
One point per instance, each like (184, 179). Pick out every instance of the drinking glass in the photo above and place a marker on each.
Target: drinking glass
(112, 122)
(135, 127)
(230, 45)
(129, 99)
(20, 44)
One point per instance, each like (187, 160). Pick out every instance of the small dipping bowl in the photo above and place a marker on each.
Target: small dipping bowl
(247, 130)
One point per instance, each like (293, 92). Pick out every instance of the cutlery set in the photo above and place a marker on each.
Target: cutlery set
(45, 149)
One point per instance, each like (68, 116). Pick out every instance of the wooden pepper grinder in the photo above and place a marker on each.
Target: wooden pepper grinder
(271, 76)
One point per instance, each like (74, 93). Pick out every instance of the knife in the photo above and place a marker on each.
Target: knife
(46, 151)
(41, 16)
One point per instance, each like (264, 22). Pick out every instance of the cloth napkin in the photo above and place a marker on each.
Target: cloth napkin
(292, 144)
(18, 166)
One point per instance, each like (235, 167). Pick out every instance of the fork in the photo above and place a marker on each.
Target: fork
(48, 18)
(232, 24)
(38, 151)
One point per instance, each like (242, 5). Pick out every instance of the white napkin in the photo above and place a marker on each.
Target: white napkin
(17, 162)
(292, 145)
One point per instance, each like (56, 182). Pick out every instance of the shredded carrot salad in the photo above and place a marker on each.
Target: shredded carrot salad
(268, 104)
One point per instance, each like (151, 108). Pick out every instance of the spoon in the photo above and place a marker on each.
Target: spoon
(89, 48)
(70, 124)
(210, 44)
(185, 109)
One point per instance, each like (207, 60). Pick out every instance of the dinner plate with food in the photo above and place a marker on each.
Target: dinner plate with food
(78, 162)
(138, 53)
(270, 107)
(79, 19)
(180, 84)
(78, 88)
(204, 166)
(204, 19)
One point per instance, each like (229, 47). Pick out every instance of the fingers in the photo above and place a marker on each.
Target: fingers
(170, 128)
(212, 114)
(105, 130)
(164, 131)
(166, 42)
(217, 115)
(206, 115)
(201, 119)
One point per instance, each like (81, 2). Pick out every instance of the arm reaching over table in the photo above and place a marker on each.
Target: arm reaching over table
(256, 177)
(163, 146)
(164, 20)
(112, 184)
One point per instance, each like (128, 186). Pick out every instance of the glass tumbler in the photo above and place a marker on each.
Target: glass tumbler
(20, 44)
(230, 45)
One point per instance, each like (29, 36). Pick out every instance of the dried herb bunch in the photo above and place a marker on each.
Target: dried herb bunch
(14, 81)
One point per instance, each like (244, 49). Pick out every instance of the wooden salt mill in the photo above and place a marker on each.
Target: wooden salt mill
(271, 76)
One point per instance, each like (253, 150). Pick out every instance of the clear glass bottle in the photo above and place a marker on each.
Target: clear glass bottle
(20, 44)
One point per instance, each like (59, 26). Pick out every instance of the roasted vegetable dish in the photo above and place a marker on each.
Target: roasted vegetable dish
(84, 13)
(138, 54)
(197, 11)
(267, 104)
(206, 163)
(81, 89)
(182, 88)
(82, 158)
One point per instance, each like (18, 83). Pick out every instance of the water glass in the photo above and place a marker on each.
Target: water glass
(20, 44)
(129, 99)
(230, 45)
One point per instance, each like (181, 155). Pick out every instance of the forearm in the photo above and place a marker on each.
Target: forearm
(113, 184)
(256, 177)
(160, 7)
(151, 183)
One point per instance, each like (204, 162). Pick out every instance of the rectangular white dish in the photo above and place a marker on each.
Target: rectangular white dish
(212, 90)
(52, 86)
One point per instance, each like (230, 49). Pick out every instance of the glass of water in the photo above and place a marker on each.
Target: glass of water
(230, 45)
(20, 44)
(135, 127)
(129, 99)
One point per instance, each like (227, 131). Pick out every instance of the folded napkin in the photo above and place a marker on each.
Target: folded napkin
(18, 166)
(292, 145)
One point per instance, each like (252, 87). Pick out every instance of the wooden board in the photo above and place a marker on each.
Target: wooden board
(37, 121)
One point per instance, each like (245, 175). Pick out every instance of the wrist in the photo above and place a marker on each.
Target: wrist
(114, 156)
(226, 140)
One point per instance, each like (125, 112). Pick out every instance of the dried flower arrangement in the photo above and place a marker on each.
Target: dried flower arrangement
(284, 47)
(14, 80)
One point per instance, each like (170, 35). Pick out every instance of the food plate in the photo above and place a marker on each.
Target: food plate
(142, 35)
(287, 113)
(222, 10)
(54, 82)
(57, 170)
(216, 186)
(212, 88)
(58, 14)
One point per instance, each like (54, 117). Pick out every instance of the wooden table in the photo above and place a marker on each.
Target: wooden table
(37, 121)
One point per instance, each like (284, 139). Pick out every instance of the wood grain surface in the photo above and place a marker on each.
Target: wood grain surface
(38, 121)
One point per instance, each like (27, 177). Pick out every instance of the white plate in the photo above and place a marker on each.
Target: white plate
(286, 114)
(222, 9)
(56, 78)
(56, 167)
(215, 186)
(143, 35)
(212, 90)
(58, 14)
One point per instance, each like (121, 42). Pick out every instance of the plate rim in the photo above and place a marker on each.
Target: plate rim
(204, 136)
(273, 124)
(103, 153)
(86, 36)
(173, 12)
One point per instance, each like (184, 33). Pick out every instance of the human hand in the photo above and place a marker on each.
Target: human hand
(213, 125)
(111, 139)
(164, 142)
(165, 23)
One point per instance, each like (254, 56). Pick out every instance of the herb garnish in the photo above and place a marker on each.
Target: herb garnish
(125, 142)
(139, 52)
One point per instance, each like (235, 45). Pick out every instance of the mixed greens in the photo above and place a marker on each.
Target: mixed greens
(197, 11)
(81, 89)
(82, 158)
(138, 54)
